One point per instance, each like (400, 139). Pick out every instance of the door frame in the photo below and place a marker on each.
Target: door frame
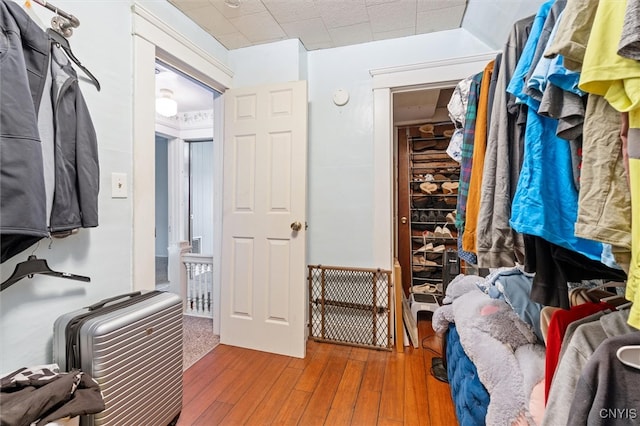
(154, 39)
(385, 82)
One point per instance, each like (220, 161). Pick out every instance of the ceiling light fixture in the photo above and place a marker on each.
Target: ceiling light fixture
(232, 3)
(166, 106)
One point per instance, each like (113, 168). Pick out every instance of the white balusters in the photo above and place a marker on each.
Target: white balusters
(199, 285)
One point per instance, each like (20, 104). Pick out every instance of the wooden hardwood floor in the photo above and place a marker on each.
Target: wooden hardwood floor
(333, 385)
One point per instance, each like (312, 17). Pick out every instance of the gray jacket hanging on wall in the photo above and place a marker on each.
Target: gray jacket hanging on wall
(32, 118)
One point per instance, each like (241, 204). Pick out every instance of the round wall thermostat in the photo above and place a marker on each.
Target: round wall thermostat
(340, 97)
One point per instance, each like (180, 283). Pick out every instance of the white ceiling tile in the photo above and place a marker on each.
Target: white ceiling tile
(440, 20)
(310, 31)
(247, 7)
(212, 20)
(338, 13)
(352, 34)
(285, 11)
(373, 2)
(185, 5)
(392, 16)
(425, 5)
(403, 32)
(258, 27)
(323, 24)
(234, 41)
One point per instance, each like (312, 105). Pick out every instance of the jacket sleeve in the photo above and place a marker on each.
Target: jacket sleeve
(88, 168)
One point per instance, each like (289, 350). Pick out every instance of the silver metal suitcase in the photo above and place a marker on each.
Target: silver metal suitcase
(132, 346)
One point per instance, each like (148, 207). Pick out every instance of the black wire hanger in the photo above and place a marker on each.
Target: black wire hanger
(61, 41)
(33, 266)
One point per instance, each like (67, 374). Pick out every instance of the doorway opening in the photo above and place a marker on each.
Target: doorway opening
(185, 202)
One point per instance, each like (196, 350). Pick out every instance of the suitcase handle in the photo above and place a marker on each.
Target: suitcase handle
(103, 302)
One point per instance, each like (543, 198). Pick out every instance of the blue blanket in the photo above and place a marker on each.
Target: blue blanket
(470, 397)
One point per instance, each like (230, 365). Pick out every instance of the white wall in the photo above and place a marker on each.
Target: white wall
(277, 62)
(491, 20)
(202, 184)
(28, 309)
(341, 152)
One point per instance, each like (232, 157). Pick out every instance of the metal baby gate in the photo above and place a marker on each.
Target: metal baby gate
(350, 306)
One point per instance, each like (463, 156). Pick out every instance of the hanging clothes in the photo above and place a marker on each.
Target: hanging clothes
(466, 164)
(617, 79)
(545, 203)
(22, 192)
(49, 165)
(497, 244)
(479, 148)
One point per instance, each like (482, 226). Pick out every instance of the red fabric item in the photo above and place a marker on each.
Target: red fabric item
(558, 324)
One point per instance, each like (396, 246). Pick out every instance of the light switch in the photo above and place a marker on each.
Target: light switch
(119, 185)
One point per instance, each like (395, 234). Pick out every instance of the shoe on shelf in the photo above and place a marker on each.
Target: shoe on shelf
(432, 217)
(424, 288)
(428, 177)
(434, 256)
(422, 261)
(451, 201)
(415, 216)
(425, 248)
(451, 217)
(450, 187)
(447, 133)
(427, 130)
(438, 249)
(421, 145)
(438, 233)
(439, 176)
(424, 217)
(440, 217)
(446, 232)
(428, 187)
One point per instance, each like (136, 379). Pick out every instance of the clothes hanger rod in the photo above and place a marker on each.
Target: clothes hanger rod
(73, 21)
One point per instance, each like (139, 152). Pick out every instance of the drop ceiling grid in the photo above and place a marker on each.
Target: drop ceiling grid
(321, 23)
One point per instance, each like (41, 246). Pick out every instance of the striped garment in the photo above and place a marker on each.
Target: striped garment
(466, 163)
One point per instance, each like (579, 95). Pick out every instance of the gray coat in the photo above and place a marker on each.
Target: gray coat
(25, 56)
(23, 66)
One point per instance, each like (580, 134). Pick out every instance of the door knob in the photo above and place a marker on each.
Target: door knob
(296, 226)
(403, 219)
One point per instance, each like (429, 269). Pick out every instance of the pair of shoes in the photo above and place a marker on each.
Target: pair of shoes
(424, 288)
(425, 248)
(450, 187)
(428, 187)
(442, 232)
(422, 261)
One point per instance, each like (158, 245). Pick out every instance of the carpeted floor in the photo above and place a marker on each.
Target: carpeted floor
(198, 339)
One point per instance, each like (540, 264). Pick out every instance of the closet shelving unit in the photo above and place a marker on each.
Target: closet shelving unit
(432, 207)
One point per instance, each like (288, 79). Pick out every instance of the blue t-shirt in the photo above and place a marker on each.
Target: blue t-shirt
(546, 202)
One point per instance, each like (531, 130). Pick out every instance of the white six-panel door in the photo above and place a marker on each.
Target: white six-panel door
(263, 288)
